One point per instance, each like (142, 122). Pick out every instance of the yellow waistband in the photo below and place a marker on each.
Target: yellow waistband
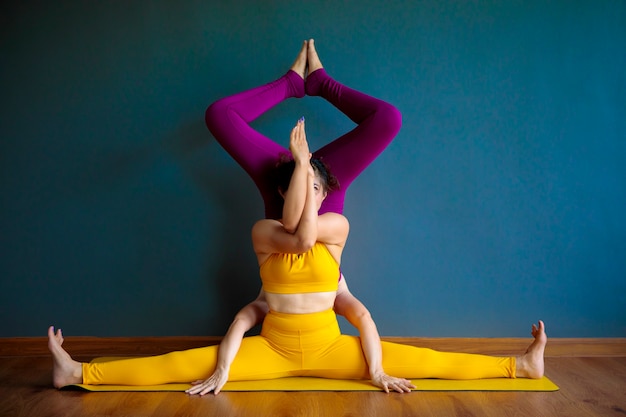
(304, 322)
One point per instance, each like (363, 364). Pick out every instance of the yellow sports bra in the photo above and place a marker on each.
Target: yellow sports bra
(296, 273)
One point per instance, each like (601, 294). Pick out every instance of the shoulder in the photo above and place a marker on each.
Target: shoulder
(265, 231)
(265, 225)
(334, 218)
(333, 228)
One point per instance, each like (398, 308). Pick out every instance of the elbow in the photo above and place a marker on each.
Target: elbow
(364, 318)
(290, 228)
(306, 237)
(305, 244)
(237, 322)
(241, 323)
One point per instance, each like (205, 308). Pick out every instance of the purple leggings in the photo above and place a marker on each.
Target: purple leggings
(347, 156)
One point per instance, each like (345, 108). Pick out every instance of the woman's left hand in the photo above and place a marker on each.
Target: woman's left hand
(388, 382)
(213, 383)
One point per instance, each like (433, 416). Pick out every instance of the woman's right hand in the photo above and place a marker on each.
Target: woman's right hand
(213, 383)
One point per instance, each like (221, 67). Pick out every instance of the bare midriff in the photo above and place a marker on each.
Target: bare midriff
(305, 303)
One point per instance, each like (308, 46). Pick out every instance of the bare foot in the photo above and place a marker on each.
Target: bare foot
(65, 370)
(314, 59)
(531, 363)
(299, 65)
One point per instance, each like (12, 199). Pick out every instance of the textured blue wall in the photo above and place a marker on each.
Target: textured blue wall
(501, 201)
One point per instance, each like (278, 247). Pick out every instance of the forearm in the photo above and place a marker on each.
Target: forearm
(230, 344)
(295, 199)
(370, 343)
(307, 228)
(359, 316)
(249, 316)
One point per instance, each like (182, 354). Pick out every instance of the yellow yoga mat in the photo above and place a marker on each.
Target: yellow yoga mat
(323, 384)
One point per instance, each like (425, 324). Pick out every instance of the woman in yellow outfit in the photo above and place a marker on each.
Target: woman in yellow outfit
(299, 260)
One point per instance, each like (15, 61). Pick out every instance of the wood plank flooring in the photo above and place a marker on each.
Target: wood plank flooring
(589, 386)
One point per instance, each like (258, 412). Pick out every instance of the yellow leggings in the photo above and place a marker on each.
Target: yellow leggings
(298, 345)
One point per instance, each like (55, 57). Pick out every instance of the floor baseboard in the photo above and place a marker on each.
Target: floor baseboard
(139, 346)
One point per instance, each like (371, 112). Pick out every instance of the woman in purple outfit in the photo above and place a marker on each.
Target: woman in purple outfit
(378, 122)
(229, 119)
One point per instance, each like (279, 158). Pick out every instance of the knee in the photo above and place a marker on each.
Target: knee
(390, 117)
(214, 113)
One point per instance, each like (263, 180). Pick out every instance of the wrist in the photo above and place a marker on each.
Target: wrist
(301, 159)
(225, 368)
(376, 373)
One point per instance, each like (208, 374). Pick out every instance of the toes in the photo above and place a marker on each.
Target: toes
(54, 337)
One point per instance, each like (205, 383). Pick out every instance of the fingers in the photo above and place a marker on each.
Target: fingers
(389, 383)
(397, 384)
(203, 387)
(401, 387)
(298, 144)
(297, 133)
(407, 386)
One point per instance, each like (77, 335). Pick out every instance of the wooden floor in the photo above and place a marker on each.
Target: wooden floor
(589, 386)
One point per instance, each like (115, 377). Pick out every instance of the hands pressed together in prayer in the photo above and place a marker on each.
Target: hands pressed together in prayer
(299, 146)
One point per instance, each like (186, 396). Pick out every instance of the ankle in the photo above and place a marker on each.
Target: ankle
(296, 84)
(315, 82)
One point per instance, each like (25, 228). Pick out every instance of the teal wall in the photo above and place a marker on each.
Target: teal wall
(501, 201)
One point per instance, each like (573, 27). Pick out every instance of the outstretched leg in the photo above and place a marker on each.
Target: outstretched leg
(65, 370)
(413, 362)
(531, 363)
(378, 123)
(229, 120)
(332, 355)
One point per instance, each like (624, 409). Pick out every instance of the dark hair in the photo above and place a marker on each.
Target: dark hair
(286, 165)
